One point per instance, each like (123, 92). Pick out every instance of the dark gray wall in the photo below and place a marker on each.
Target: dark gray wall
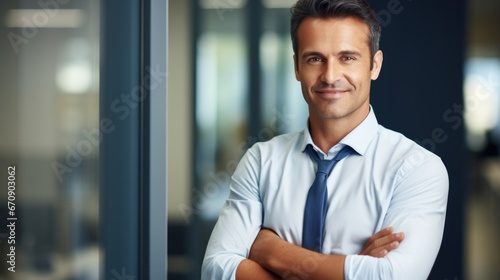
(419, 93)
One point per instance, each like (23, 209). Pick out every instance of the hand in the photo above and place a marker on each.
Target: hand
(382, 242)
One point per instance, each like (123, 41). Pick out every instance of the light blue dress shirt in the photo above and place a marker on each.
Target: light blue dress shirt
(391, 181)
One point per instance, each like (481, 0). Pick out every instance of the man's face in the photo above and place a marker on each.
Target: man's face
(334, 67)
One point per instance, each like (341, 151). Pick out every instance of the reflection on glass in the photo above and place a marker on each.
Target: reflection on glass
(283, 107)
(49, 76)
(74, 74)
(221, 112)
(482, 101)
(277, 4)
(222, 4)
(222, 76)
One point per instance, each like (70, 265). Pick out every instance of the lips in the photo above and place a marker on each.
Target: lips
(331, 93)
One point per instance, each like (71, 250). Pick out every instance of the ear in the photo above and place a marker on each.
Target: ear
(296, 67)
(377, 64)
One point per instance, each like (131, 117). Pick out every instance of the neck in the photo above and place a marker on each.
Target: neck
(327, 132)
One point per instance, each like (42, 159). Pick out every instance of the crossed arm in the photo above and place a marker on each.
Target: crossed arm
(271, 257)
(238, 248)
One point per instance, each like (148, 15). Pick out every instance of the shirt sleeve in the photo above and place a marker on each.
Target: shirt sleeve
(418, 209)
(239, 222)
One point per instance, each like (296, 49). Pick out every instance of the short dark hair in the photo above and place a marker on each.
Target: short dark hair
(336, 8)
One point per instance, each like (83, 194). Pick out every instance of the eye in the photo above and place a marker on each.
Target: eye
(348, 58)
(315, 59)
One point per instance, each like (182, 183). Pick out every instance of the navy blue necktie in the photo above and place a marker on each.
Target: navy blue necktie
(317, 200)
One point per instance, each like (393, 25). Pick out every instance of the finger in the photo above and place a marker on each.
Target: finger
(388, 239)
(383, 251)
(382, 254)
(378, 254)
(380, 234)
(382, 242)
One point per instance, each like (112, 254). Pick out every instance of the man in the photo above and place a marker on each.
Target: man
(383, 189)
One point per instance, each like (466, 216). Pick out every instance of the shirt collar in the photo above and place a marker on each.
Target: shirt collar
(358, 138)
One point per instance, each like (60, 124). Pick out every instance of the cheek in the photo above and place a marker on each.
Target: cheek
(305, 90)
(359, 79)
(307, 80)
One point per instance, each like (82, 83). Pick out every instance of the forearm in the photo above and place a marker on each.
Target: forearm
(270, 252)
(250, 270)
(291, 261)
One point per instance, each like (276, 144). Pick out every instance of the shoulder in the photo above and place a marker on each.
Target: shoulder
(280, 144)
(407, 154)
(265, 153)
(396, 141)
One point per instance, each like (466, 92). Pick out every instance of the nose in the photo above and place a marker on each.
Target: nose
(331, 72)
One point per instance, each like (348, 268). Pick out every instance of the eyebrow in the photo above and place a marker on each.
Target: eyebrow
(312, 53)
(341, 53)
(355, 53)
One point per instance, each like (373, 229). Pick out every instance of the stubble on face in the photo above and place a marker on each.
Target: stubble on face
(334, 63)
(332, 108)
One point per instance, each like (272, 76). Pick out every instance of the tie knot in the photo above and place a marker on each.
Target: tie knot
(325, 166)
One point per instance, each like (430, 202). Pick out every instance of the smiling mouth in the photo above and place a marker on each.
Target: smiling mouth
(331, 93)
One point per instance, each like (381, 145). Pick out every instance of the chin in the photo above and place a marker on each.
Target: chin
(331, 114)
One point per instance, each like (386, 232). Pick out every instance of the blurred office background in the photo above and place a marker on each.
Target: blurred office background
(230, 84)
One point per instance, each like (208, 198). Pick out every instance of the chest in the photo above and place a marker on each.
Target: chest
(359, 194)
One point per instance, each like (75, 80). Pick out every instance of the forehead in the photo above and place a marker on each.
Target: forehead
(333, 33)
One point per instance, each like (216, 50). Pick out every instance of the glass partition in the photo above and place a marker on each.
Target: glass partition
(50, 139)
